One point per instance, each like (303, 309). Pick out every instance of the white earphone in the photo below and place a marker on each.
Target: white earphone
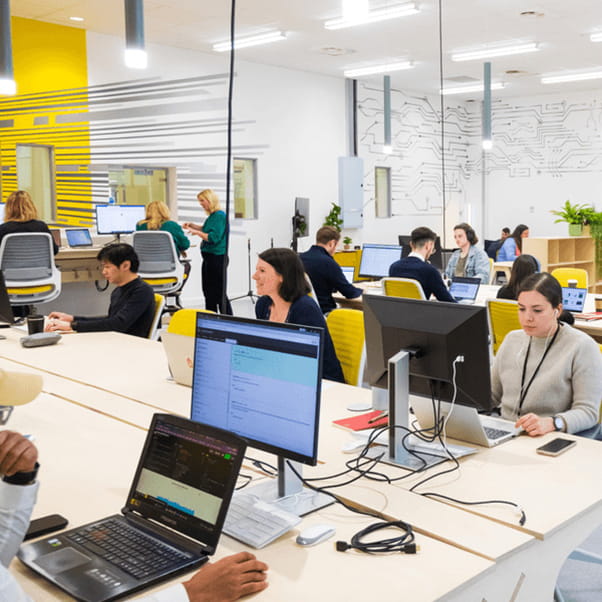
(555, 312)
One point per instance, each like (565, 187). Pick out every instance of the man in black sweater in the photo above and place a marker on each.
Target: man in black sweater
(132, 305)
(324, 272)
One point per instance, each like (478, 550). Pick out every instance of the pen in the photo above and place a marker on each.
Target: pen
(381, 415)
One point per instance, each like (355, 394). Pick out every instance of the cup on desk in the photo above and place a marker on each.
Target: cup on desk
(572, 283)
(35, 324)
(598, 302)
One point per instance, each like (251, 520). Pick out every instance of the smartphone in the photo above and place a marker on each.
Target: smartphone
(556, 447)
(44, 525)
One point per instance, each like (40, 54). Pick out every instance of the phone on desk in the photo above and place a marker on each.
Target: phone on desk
(556, 447)
(44, 525)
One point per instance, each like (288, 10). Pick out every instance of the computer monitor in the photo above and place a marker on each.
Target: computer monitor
(438, 333)
(261, 380)
(436, 259)
(118, 219)
(377, 259)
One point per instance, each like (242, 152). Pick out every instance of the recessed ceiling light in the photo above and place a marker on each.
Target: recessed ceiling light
(264, 38)
(493, 51)
(76, 18)
(472, 88)
(374, 69)
(374, 16)
(561, 78)
(596, 37)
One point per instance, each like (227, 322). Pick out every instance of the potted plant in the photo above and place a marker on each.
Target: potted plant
(334, 218)
(572, 215)
(590, 216)
(594, 219)
(347, 243)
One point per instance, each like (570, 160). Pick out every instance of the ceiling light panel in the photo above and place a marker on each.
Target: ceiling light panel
(596, 37)
(472, 88)
(494, 51)
(562, 78)
(246, 42)
(374, 16)
(375, 69)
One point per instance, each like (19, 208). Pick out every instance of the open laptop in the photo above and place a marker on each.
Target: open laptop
(174, 514)
(78, 237)
(573, 299)
(465, 423)
(348, 272)
(179, 350)
(464, 290)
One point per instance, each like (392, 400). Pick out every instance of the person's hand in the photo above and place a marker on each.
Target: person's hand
(54, 324)
(535, 425)
(227, 579)
(17, 454)
(59, 315)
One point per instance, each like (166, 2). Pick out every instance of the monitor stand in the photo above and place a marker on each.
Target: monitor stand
(399, 407)
(288, 493)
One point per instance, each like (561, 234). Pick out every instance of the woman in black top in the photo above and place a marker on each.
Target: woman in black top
(523, 267)
(20, 215)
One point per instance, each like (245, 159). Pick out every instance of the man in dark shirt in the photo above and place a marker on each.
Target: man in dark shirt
(416, 266)
(132, 305)
(495, 246)
(324, 272)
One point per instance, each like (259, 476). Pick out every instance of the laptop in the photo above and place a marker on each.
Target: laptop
(348, 272)
(79, 237)
(464, 290)
(573, 299)
(175, 511)
(56, 236)
(179, 350)
(465, 423)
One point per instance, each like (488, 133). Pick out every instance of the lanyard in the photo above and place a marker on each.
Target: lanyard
(523, 389)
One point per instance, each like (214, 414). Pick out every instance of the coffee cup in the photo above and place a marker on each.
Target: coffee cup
(598, 303)
(572, 283)
(35, 324)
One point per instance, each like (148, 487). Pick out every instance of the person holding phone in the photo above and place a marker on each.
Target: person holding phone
(548, 376)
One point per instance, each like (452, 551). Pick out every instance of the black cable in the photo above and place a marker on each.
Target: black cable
(243, 485)
(404, 544)
(269, 469)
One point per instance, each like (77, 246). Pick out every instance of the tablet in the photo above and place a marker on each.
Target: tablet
(79, 237)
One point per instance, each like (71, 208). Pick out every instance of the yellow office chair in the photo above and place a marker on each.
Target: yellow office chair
(154, 327)
(27, 263)
(403, 287)
(503, 318)
(184, 320)
(346, 328)
(563, 275)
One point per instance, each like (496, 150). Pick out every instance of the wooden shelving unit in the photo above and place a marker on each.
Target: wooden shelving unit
(568, 252)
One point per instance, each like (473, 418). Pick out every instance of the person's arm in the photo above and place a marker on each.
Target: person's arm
(481, 265)
(438, 287)
(55, 247)
(507, 251)
(343, 285)
(180, 239)
(214, 228)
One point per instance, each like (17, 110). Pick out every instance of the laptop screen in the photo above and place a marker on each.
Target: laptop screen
(573, 299)
(186, 476)
(464, 288)
(79, 238)
(348, 273)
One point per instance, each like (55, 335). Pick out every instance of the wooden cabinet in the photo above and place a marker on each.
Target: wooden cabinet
(567, 252)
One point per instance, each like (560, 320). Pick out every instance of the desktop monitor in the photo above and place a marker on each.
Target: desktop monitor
(377, 259)
(437, 332)
(436, 259)
(118, 219)
(261, 380)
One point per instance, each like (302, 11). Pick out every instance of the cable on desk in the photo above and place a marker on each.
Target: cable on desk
(404, 543)
(265, 467)
(243, 485)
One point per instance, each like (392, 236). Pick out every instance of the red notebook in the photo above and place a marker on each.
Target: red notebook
(588, 317)
(361, 421)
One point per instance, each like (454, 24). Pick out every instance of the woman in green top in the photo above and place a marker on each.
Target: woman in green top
(213, 250)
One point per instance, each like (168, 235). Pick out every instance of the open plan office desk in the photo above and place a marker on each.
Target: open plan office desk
(78, 265)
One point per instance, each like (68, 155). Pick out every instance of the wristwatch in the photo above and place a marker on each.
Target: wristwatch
(559, 423)
(23, 478)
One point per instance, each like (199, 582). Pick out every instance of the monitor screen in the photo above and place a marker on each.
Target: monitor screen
(573, 299)
(348, 272)
(118, 219)
(439, 332)
(260, 380)
(435, 259)
(377, 259)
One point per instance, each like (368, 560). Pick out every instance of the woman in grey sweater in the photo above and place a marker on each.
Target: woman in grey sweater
(547, 376)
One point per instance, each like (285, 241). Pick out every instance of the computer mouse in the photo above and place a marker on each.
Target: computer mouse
(315, 534)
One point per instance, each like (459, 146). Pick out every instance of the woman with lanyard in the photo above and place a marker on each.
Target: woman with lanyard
(548, 376)
(213, 250)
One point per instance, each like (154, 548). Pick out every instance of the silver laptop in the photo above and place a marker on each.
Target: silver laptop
(179, 350)
(465, 423)
(348, 272)
(573, 299)
(464, 290)
(172, 518)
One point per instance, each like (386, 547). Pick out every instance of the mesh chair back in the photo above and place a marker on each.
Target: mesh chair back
(346, 328)
(156, 252)
(27, 257)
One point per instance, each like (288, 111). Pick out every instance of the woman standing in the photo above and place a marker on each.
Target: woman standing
(513, 245)
(468, 260)
(213, 250)
(283, 291)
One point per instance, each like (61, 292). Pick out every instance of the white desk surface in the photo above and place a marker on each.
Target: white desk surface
(87, 462)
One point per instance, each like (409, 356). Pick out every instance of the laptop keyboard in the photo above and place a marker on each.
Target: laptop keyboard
(495, 433)
(128, 548)
(257, 523)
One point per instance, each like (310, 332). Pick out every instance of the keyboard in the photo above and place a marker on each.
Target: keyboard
(255, 522)
(495, 433)
(127, 548)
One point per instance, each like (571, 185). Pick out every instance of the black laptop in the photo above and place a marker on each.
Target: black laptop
(171, 522)
(78, 237)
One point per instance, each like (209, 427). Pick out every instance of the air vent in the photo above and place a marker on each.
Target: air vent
(462, 79)
(334, 51)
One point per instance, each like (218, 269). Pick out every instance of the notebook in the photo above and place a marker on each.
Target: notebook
(465, 423)
(573, 299)
(176, 507)
(464, 290)
(179, 350)
(348, 272)
(79, 237)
